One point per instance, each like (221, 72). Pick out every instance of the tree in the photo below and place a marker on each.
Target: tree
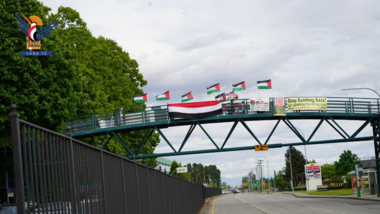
(281, 183)
(328, 171)
(44, 88)
(298, 163)
(346, 163)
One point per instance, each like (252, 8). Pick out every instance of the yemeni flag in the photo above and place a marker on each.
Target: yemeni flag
(264, 84)
(221, 97)
(239, 86)
(140, 98)
(187, 97)
(213, 89)
(164, 96)
(195, 110)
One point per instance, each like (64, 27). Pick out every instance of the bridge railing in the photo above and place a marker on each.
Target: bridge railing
(344, 105)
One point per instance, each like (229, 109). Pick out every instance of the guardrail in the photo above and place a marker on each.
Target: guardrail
(344, 105)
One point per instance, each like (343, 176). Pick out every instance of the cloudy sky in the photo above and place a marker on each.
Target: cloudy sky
(307, 48)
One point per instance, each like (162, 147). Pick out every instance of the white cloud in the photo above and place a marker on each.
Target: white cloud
(307, 48)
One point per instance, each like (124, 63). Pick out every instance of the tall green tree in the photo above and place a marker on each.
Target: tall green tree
(44, 87)
(346, 162)
(298, 163)
(328, 171)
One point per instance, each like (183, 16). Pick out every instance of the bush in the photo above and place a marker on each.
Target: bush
(299, 188)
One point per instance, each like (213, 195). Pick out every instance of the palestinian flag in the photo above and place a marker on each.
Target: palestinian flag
(231, 95)
(264, 84)
(195, 110)
(239, 86)
(213, 89)
(221, 97)
(187, 97)
(140, 98)
(164, 96)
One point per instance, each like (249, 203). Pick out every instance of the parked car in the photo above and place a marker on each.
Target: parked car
(236, 191)
(8, 209)
(55, 207)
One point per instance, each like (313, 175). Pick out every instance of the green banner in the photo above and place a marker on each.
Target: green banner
(307, 103)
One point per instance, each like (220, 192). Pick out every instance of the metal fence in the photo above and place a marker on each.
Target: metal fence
(64, 175)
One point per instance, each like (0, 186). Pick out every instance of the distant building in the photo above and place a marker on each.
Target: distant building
(368, 162)
(164, 164)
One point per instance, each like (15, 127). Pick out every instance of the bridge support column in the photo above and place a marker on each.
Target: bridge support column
(376, 140)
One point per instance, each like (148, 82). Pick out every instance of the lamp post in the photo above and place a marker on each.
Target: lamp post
(376, 152)
(196, 179)
(347, 89)
(304, 146)
(268, 172)
(291, 170)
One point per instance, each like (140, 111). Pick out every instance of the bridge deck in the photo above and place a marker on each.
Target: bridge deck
(347, 108)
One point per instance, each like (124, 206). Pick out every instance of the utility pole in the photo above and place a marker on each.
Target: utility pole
(261, 173)
(291, 171)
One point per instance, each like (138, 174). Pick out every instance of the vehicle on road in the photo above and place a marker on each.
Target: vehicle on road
(235, 191)
(8, 209)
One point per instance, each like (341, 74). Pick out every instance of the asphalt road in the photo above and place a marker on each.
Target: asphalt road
(243, 203)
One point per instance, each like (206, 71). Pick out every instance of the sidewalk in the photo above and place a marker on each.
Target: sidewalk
(364, 197)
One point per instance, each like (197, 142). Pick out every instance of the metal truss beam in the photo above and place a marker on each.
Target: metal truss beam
(191, 129)
(148, 133)
(253, 147)
(361, 128)
(335, 129)
(332, 119)
(207, 135)
(229, 133)
(291, 127)
(122, 142)
(163, 136)
(316, 129)
(376, 141)
(249, 130)
(274, 128)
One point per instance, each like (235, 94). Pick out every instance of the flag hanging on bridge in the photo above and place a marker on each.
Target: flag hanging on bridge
(140, 98)
(164, 96)
(232, 95)
(239, 86)
(195, 110)
(264, 84)
(187, 97)
(221, 97)
(213, 89)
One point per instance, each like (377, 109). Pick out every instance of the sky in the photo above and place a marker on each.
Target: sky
(306, 47)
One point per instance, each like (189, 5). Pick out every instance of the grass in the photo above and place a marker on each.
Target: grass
(329, 192)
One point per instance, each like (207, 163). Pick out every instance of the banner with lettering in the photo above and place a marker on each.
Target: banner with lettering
(279, 106)
(307, 103)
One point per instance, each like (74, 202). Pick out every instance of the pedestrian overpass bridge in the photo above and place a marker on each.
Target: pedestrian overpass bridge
(110, 124)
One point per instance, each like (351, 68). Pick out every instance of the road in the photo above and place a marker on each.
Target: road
(284, 203)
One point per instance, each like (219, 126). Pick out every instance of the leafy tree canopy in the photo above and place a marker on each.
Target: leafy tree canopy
(346, 162)
(85, 75)
(298, 163)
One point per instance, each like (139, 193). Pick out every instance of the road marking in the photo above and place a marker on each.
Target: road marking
(213, 206)
(329, 211)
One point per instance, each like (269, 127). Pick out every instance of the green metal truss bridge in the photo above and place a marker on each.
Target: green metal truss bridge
(155, 118)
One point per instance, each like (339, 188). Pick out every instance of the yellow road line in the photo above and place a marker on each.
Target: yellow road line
(213, 206)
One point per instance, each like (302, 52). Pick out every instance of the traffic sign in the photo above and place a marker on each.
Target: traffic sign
(181, 169)
(261, 147)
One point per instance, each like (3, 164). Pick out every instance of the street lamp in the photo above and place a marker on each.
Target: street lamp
(291, 170)
(346, 89)
(196, 179)
(268, 172)
(304, 146)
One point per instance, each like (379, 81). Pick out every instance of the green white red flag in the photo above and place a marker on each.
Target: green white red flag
(186, 97)
(140, 98)
(164, 96)
(221, 97)
(264, 84)
(239, 86)
(213, 89)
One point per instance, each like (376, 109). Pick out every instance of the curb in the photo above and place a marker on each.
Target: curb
(307, 196)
